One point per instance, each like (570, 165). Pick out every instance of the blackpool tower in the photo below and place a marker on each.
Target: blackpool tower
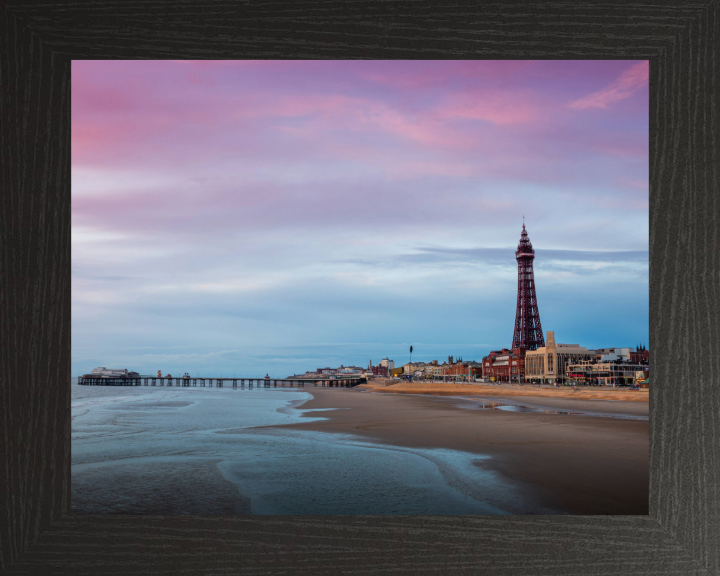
(528, 331)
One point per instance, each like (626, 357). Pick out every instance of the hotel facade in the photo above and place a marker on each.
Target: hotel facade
(548, 364)
(504, 365)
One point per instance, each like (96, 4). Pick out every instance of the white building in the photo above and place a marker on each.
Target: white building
(389, 364)
(612, 354)
(103, 372)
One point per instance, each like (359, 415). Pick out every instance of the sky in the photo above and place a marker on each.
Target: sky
(271, 217)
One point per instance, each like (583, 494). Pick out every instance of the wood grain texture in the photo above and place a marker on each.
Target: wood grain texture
(37, 43)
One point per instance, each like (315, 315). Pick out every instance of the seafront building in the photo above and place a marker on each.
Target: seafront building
(608, 373)
(413, 368)
(381, 371)
(613, 367)
(548, 364)
(434, 370)
(341, 370)
(327, 370)
(103, 372)
(504, 365)
(463, 371)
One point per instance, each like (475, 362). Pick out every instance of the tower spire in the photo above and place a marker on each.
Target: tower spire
(528, 331)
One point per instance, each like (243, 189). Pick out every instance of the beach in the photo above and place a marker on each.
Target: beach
(507, 390)
(596, 462)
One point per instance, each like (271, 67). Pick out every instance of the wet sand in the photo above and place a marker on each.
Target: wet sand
(570, 463)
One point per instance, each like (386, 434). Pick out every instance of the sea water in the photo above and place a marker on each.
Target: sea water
(215, 451)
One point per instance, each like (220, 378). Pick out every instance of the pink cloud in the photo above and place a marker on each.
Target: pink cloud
(500, 107)
(416, 75)
(629, 82)
(357, 114)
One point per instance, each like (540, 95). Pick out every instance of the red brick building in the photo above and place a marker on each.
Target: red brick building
(640, 354)
(505, 365)
(380, 371)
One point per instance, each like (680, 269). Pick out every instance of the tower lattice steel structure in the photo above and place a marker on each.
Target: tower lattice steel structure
(528, 331)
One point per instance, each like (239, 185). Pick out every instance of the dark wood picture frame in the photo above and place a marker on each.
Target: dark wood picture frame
(38, 40)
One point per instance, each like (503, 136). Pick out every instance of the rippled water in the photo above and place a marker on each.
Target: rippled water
(145, 450)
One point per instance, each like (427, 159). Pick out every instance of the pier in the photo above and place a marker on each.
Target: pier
(208, 382)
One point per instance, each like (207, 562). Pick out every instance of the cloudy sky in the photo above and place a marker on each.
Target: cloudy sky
(275, 217)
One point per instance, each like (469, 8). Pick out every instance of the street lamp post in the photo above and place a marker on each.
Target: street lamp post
(410, 366)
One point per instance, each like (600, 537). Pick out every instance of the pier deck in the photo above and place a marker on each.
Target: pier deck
(206, 381)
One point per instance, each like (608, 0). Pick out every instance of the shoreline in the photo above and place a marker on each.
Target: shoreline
(574, 464)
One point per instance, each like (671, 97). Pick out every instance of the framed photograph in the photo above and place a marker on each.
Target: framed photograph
(247, 235)
(121, 81)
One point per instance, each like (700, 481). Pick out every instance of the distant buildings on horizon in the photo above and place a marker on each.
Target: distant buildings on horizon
(381, 369)
(553, 363)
